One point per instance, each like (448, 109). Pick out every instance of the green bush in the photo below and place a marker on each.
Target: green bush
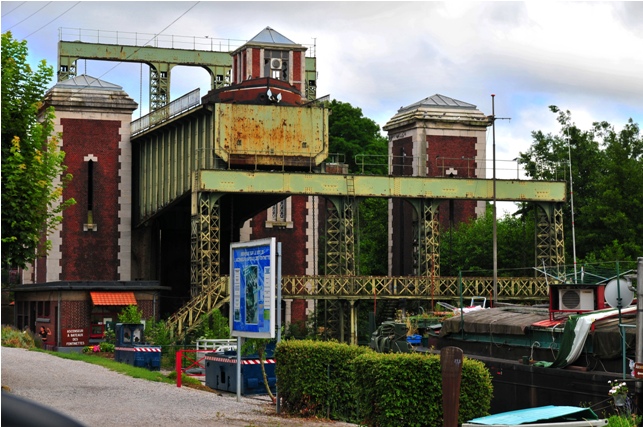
(315, 378)
(106, 347)
(11, 337)
(110, 336)
(624, 421)
(157, 333)
(214, 325)
(130, 314)
(401, 383)
(103, 347)
(356, 384)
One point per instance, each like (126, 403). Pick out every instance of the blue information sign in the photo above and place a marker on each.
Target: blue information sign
(252, 288)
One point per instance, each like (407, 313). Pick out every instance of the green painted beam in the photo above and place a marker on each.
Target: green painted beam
(226, 181)
(147, 54)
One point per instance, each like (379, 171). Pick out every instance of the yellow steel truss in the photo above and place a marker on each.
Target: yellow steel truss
(340, 289)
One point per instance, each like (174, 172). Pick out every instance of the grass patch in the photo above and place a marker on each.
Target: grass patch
(115, 366)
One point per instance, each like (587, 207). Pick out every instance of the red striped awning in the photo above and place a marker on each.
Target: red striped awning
(113, 298)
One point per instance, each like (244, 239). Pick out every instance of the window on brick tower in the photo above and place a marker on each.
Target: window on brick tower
(279, 215)
(275, 64)
(90, 191)
(279, 212)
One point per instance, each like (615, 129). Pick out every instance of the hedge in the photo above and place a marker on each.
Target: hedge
(316, 378)
(356, 384)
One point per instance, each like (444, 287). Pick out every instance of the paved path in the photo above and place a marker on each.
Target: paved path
(96, 396)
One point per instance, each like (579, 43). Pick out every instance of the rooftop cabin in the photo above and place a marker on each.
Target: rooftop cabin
(266, 119)
(270, 68)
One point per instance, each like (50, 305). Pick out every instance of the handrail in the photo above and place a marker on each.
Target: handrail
(510, 289)
(170, 41)
(173, 109)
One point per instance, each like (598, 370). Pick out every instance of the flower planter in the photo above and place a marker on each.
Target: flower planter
(619, 399)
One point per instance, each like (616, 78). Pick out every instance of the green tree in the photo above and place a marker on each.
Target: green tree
(32, 163)
(214, 325)
(607, 177)
(352, 134)
(373, 237)
(359, 139)
(468, 245)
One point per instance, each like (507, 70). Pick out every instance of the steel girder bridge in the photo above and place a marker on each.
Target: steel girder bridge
(161, 53)
(175, 160)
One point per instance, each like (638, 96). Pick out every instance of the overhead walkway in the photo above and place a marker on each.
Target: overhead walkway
(367, 288)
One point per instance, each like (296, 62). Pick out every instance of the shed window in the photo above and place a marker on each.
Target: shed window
(43, 308)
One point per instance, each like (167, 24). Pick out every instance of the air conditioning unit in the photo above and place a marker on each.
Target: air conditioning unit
(576, 299)
(275, 64)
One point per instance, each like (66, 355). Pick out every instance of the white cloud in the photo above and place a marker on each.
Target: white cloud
(379, 56)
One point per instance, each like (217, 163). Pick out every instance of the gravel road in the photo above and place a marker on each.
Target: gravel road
(96, 396)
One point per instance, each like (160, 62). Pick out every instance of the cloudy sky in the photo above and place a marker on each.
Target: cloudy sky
(380, 56)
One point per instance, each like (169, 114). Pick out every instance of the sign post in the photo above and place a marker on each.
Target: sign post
(252, 293)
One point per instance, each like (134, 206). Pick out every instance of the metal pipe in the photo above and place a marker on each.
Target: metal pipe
(495, 231)
(571, 192)
(278, 314)
(639, 323)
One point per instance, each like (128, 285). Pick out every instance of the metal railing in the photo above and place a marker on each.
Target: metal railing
(456, 167)
(173, 109)
(510, 289)
(205, 43)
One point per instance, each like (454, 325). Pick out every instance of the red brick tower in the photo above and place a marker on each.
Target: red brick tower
(270, 57)
(93, 243)
(435, 137)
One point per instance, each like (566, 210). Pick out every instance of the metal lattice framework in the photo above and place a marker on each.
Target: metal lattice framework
(427, 245)
(161, 54)
(335, 291)
(559, 240)
(340, 259)
(348, 232)
(205, 244)
(340, 236)
(333, 240)
(159, 85)
(368, 287)
(550, 243)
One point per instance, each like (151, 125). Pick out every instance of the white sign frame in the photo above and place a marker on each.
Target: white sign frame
(253, 271)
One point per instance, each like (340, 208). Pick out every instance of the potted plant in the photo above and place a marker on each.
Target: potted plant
(618, 392)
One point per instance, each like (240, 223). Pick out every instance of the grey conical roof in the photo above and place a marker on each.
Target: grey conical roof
(441, 111)
(438, 101)
(87, 81)
(268, 35)
(87, 93)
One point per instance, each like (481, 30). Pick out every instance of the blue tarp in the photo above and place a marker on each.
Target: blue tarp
(540, 414)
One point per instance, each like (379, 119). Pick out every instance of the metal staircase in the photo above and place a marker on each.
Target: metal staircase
(188, 317)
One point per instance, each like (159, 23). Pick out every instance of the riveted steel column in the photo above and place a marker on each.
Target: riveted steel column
(340, 258)
(550, 242)
(426, 246)
(205, 243)
(558, 236)
(348, 232)
(340, 236)
(66, 67)
(332, 240)
(159, 85)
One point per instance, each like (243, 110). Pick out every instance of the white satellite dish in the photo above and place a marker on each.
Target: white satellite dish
(612, 293)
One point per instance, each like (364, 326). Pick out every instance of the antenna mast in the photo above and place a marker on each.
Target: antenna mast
(495, 231)
(571, 192)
